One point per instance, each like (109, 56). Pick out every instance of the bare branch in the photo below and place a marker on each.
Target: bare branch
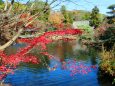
(6, 5)
(11, 41)
(12, 2)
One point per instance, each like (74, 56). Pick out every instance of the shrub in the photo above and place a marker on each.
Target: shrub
(107, 63)
(88, 32)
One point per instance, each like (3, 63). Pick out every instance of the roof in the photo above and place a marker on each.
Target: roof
(79, 23)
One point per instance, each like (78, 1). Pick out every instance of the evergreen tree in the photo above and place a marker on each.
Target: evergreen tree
(94, 18)
(64, 13)
(68, 16)
(111, 18)
(1, 2)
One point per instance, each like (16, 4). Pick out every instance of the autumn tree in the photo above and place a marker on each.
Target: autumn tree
(94, 17)
(55, 18)
(18, 22)
(12, 24)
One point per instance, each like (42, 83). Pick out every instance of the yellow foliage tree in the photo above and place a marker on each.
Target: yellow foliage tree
(55, 18)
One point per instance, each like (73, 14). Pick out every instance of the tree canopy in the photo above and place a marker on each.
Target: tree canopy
(68, 16)
(95, 18)
(111, 7)
(1, 2)
(111, 18)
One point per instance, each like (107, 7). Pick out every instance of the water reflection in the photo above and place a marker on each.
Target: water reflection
(14, 48)
(62, 50)
(54, 72)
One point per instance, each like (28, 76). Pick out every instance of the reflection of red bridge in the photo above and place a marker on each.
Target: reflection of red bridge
(28, 33)
(27, 37)
(23, 40)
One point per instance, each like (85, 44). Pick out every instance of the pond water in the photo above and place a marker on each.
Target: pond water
(57, 75)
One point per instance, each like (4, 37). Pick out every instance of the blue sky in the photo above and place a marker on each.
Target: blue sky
(85, 4)
(89, 4)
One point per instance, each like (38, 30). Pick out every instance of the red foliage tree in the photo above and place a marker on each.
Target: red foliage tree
(9, 63)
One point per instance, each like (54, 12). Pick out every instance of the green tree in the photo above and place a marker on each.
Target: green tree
(71, 17)
(18, 7)
(111, 18)
(39, 6)
(88, 32)
(1, 2)
(64, 13)
(47, 13)
(95, 18)
(86, 16)
(68, 16)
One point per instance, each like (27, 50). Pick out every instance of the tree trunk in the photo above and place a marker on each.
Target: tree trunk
(6, 5)
(11, 41)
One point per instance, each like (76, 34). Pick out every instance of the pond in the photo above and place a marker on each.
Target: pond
(53, 72)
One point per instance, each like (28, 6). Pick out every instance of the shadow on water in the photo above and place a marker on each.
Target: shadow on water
(41, 75)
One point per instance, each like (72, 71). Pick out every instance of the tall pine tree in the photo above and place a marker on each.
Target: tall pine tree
(111, 18)
(64, 13)
(94, 18)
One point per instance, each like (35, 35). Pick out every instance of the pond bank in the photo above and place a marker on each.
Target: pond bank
(105, 77)
(107, 64)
